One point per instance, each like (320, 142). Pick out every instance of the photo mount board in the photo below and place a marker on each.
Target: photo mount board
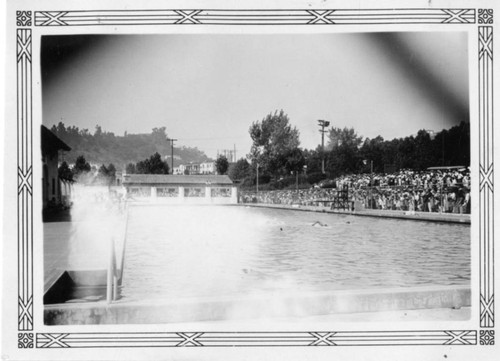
(31, 24)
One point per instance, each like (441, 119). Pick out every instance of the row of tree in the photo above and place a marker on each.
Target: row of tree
(104, 147)
(83, 172)
(276, 152)
(107, 175)
(152, 165)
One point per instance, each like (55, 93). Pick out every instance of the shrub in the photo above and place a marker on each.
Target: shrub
(315, 177)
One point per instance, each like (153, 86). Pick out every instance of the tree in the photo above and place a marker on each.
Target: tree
(346, 137)
(239, 170)
(107, 175)
(313, 160)
(98, 131)
(423, 155)
(344, 156)
(221, 164)
(273, 138)
(372, 150)
(406, 152)
(111, 173)
(153, 165)
(295, 160)
(143, 167)
(81, 166)
(157, 165)
(130, 168)
(64, 172)
(159, 136)
(102, 172)
(452, 147)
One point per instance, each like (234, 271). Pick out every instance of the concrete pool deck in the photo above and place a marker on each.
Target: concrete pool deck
(416, 216)
(353, 304)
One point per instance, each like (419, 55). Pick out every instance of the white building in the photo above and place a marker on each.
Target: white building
(180, 189)
(207, 168)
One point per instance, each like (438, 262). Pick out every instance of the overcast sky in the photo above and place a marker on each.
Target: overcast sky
(208, 89)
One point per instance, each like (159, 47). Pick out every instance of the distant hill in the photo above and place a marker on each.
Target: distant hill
(106, 147)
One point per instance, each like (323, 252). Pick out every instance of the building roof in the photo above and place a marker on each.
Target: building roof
(205, 179)
(51, 143)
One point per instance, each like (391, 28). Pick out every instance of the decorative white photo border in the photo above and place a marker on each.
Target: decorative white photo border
(31, 23)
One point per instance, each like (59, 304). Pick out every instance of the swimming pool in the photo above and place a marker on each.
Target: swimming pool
(197, 251)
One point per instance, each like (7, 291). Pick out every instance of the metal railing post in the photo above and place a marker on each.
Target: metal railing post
(111, 272)
(122, 261)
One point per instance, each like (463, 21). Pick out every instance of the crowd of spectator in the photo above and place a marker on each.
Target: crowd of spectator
(446, 191)
(309, 196)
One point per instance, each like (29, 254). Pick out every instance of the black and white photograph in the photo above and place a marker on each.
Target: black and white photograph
(249, 178)
(321, 174)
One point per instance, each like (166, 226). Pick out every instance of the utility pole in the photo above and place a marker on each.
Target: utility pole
(172, 144)
(323, 124)
(442, 148)
(257, 178)
(371, 184)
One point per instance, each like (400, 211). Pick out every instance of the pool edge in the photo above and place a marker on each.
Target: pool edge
(258, 307)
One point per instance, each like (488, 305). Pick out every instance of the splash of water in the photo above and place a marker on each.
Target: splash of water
(197, 251)
(97, 219)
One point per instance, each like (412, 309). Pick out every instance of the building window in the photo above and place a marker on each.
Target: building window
(194, 192)
(140, 191)
(167, 192)
(220, 192)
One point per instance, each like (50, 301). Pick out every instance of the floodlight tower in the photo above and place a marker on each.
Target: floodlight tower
(323, 124)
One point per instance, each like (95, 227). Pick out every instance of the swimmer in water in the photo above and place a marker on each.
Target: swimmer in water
(318, 224)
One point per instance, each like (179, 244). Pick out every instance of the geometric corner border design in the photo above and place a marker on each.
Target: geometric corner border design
(23, 18)
(487, 337)
(252, 339)
(25, 340)
(485, 16)
(486, 166)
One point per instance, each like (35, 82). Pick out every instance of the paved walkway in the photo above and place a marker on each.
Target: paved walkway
(56, 238)
(72, 246)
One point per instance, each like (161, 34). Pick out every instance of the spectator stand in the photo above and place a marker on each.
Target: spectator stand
(342, 200)
(443, 190)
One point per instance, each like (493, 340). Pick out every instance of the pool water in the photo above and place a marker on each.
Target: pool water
(198, 251)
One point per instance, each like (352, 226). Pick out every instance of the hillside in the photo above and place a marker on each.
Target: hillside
(106, 147)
